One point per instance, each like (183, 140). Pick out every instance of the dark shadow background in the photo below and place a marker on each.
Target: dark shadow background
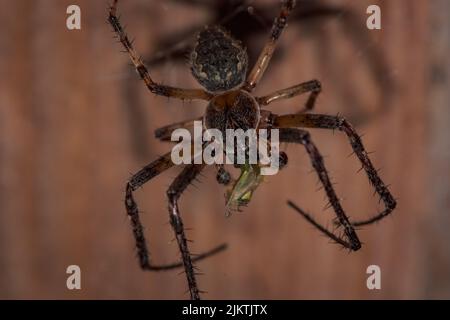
(68, 143)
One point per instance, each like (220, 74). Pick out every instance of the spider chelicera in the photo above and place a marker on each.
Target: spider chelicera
(219, 63)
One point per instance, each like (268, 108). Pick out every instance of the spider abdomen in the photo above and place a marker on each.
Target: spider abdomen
(218, 62)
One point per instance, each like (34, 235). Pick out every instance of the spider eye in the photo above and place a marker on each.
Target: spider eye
(218, 62)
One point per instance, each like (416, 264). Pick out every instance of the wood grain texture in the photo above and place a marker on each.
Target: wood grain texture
(67, 149)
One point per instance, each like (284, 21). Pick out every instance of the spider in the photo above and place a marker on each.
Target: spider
(237, 17)
(219, 63)
(240, 16)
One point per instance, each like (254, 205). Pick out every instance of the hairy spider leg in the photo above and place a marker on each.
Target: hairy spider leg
(312, 87)
(303, 137)
(264, 58)
(174, 192)
(158, 89)
(341, 124)
(138, 180)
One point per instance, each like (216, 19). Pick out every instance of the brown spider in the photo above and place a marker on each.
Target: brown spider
(251, 22)
(219, 63)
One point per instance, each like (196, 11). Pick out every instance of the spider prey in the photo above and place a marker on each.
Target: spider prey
(219, 63)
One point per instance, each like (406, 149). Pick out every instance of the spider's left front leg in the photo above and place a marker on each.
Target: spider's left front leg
(174, 192)
(339, 123)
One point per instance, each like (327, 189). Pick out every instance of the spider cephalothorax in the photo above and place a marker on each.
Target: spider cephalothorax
(219, 63)
(232, 110)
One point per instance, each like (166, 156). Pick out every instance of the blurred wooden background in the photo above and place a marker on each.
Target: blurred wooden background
(66, 150)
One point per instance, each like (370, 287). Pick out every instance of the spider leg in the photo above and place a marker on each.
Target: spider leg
(303, 137)
(173, 193)
(264, 58)
(165, 133)
(341, 124)
(312, 87)
(144, 175)
(154, 87)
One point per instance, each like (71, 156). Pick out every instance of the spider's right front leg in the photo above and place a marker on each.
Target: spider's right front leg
(302, 137)
(144, 175)
(339, 123)
(162, 90)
